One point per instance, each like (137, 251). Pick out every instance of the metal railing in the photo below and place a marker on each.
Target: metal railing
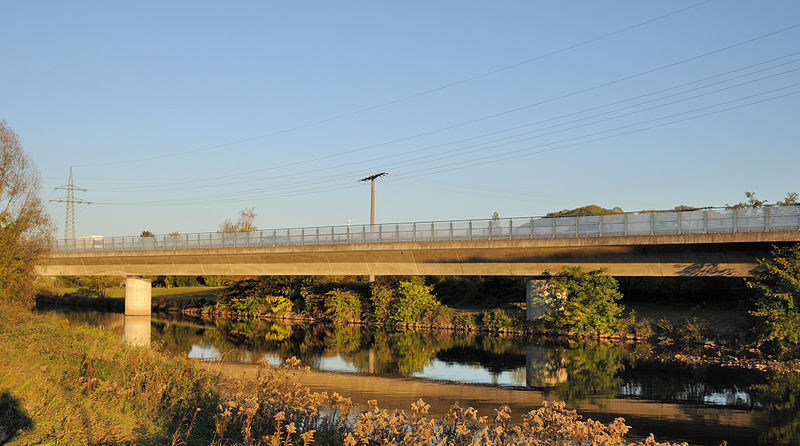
(699, 221)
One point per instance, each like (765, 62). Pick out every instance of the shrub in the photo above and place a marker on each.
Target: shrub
(412, 304)
(265, 295)
(590, 304)
(342, 305)
(498, 320)
(776, 307)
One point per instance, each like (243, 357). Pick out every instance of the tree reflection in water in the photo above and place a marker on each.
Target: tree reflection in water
(780, 401)
(577, 371)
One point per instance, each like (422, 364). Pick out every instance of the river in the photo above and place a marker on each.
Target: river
(698, 404)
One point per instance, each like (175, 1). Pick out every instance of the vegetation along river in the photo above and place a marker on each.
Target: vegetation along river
(698, 404)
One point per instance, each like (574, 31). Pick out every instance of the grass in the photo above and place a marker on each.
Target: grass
(83, 386)
(65, 385)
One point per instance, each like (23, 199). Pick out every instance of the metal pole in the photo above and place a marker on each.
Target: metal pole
(626, 224)
(601, 225)
(767, 225)
(652, 223)
(705, 221)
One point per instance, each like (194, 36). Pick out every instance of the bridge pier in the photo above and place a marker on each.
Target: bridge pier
(540, 296)
(138, 295)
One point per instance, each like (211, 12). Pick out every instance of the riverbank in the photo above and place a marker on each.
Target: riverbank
(68, 385)
(65, 385)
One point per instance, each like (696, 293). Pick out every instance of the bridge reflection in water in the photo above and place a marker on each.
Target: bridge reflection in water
(601, 382)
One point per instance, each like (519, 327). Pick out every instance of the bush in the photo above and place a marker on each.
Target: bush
(342, 305)
(252, 297)
(413, 303)
(409, 302)
(776, 307)
(498, 320)
(590, 305)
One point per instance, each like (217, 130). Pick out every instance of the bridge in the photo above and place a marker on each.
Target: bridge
(709, 242)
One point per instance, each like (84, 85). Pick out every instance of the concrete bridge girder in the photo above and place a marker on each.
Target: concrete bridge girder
(692, 255)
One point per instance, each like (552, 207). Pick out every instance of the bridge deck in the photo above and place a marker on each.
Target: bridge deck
(721, 254)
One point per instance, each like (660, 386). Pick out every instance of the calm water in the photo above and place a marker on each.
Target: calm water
(701, 405)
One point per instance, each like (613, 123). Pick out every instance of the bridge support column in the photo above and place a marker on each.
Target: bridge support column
(138, 295)
(540, 296)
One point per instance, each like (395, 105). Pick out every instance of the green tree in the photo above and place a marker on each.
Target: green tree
(343, 305)
(752, 202)
(403, 301)
(790, 200)
(25, 228)
(777, 303)
(590, 305)
(245, 223)
(99, 284)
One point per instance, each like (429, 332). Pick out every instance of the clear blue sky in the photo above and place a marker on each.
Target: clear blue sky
(176, 115)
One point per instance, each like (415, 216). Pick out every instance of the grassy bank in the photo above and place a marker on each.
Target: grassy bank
(63, 385)
(66, 385)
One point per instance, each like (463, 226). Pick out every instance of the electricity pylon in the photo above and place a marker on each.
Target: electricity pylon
(71, 201)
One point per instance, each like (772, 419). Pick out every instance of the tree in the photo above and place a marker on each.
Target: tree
(590, 304)
(146, 233)
(790, 200)
(245, 223)
(752, 202)
(25, 229)
(777, 304)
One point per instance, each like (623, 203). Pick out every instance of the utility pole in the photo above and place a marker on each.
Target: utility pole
(70, 200)
(371, 179)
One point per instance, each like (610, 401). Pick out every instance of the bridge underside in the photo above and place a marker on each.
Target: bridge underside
(698, 255)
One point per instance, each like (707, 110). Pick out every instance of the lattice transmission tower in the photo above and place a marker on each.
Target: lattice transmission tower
(71, 201)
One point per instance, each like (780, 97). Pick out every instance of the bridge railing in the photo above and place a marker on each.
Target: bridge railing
(697, 221)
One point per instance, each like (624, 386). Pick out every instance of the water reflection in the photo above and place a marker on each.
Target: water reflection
(137, 330)
(599, 379)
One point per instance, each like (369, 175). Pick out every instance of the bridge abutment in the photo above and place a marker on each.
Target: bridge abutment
(138, 295)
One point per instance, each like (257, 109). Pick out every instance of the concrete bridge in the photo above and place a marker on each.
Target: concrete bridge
(700, 243)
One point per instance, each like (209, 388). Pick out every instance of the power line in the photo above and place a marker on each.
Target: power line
(515, 109)
(71, 201)
(419, 94)
(558, 145)
(591, 120)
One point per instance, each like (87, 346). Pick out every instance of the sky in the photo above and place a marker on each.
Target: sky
(177, 115)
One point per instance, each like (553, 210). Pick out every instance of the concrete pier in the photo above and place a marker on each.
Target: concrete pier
(540, 297)
(138, 295)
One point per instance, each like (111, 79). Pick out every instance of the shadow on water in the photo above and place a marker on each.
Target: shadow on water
(699, 404)
(13, 418)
